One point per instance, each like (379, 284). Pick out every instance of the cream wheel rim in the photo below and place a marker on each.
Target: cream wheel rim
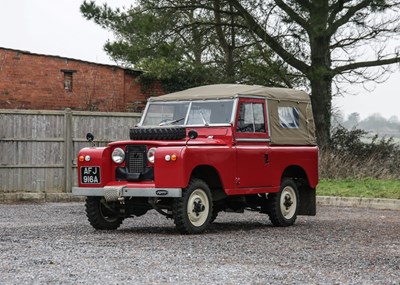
(198, 207)
(288, 202)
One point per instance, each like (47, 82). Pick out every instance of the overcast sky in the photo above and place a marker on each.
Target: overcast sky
(57, 28)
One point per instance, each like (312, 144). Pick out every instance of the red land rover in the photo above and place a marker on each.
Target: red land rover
(208, 149)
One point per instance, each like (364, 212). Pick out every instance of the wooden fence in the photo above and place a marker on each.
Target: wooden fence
(39, 148)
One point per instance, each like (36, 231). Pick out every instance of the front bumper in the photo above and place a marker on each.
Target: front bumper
(115, 192)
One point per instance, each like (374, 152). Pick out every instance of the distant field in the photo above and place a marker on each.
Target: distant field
(368, 139)
(396, 140)
(365, 188)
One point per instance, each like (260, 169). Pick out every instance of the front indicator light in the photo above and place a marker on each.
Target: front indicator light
(86, 158)
(172, 157)
(118, 155)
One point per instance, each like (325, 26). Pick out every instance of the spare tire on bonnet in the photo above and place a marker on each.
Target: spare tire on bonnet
(157, 133)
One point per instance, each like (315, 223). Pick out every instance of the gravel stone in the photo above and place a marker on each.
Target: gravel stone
(53, 243)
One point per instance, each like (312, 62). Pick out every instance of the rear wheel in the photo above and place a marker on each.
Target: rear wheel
(102, 215)
(193, 211)
(283, 206)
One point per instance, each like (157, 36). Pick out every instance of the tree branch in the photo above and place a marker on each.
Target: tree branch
(192, 6)
(304, 3)
(346, 18)
(352, 40)
(336, 7)
(278, 71)
(269, 40)
(293, 14)
(355, 65)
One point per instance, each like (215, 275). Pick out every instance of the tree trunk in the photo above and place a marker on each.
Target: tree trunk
(320, 74)
(321, 98)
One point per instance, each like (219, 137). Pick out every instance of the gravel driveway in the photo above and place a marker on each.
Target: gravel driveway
(54, 244)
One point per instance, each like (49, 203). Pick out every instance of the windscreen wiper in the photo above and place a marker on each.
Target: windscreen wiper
(203, 119)
(171, 122)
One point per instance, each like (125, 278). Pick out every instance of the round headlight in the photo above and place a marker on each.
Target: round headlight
(151, 154)
(118, 155)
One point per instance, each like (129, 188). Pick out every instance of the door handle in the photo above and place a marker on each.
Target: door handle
(266, 158)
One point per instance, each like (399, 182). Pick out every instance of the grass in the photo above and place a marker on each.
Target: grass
(365, 188)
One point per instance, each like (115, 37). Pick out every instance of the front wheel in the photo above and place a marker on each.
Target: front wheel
(193, 211)
(102, 215)
(284, 205)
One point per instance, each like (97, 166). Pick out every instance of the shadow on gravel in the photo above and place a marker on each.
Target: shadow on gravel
(214, 228)
(236, 226)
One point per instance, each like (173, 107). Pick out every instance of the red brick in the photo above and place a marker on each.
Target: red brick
(36, 81)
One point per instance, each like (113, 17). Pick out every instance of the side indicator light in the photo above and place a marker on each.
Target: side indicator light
(171, 157)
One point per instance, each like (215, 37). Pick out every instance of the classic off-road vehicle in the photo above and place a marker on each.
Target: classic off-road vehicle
(208, 149)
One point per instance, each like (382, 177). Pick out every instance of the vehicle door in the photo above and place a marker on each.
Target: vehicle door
(252, 144)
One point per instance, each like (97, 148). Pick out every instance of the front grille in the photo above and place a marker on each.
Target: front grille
(136, 158)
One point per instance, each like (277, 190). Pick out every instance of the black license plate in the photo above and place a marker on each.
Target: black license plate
(90, 175)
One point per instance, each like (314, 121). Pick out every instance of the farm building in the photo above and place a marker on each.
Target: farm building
(45, 82)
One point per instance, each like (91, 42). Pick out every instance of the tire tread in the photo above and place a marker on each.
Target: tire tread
(179, 209)
(157, 133)
(93, 214)
(273, 206)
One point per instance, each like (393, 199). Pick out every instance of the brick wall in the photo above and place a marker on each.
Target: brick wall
(34, 81)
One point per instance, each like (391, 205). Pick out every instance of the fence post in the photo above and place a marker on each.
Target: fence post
(68, 144)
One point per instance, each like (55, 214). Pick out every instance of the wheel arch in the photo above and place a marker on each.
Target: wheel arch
(211, 176)
(307, 194)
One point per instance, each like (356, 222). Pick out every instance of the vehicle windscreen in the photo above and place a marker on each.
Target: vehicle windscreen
(202, 113)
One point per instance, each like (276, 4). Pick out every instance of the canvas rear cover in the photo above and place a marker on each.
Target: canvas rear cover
(291, 123)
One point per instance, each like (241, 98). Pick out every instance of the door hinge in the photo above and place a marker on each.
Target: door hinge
(237, 180)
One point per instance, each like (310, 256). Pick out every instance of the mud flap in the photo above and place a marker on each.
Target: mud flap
(308, 201)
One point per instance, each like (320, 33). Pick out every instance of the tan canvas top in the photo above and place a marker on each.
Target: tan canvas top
(282, 102)
(221, 91)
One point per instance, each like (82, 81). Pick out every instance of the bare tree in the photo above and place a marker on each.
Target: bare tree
(270, 42)
(325, 40)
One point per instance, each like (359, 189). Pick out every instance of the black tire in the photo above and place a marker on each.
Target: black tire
(284, 205)
(214, 216)
(101, 214)
(158, 133)
(193, 211)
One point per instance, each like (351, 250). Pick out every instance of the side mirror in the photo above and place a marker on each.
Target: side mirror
(192, 134)
(89, 137)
